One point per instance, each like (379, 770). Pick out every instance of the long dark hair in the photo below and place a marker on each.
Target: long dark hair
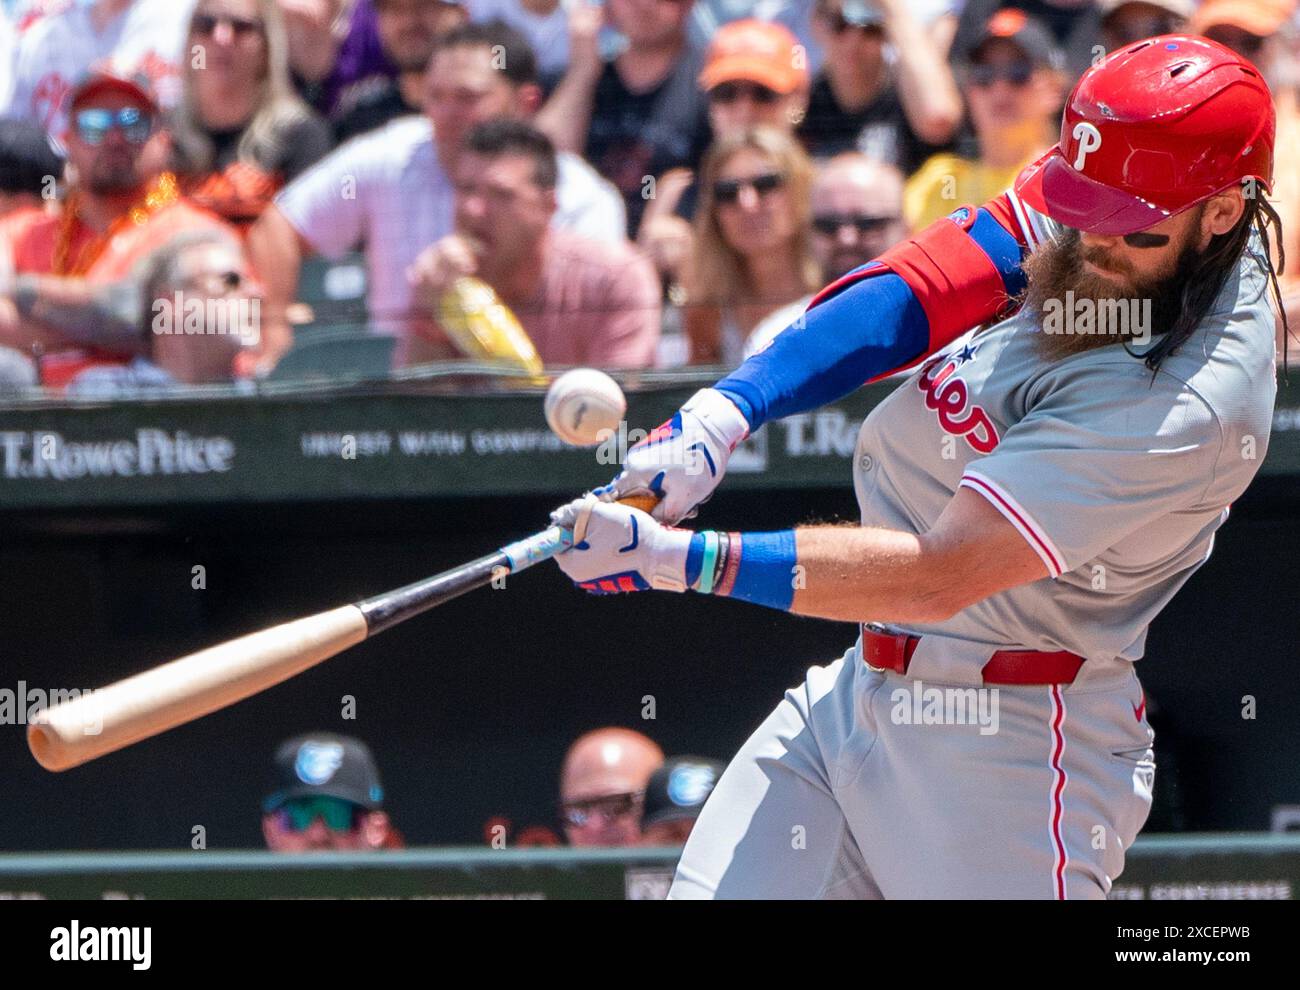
(1211, 271)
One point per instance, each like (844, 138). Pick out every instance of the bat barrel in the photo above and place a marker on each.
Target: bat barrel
(130, 710)
(138, 707)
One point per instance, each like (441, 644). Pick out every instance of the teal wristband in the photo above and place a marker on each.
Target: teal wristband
(708, 563)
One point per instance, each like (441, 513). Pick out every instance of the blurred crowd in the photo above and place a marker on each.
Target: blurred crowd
(616, 790)
(196, 191)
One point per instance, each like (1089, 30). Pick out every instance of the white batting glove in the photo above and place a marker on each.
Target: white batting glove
(617, 548)
(680, 462)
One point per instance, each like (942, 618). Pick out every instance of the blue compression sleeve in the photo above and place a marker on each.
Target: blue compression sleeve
(871, 327)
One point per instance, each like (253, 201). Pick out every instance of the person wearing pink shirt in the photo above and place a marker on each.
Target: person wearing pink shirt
(583, 302)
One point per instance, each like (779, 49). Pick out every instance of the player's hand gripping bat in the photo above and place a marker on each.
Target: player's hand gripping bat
(183, 690)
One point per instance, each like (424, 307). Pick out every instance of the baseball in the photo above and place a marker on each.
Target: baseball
(582, 403)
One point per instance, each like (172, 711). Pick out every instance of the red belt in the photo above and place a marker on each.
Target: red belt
(893, 651)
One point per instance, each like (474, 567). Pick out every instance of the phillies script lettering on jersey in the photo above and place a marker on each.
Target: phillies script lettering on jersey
(949, 397)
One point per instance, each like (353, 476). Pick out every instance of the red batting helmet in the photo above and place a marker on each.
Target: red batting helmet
(1154, 128)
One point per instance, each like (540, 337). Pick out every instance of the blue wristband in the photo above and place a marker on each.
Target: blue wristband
(765, 572)
(694, 558)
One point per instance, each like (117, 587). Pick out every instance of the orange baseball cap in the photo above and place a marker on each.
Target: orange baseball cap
(1260, 17)
(755, 51)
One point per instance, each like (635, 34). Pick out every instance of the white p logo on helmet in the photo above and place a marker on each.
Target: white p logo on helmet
(1089, 139)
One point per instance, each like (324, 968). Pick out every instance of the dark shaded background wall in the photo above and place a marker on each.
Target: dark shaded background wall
(469, 709)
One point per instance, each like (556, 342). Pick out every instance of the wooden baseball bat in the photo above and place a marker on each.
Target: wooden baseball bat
(183, 690)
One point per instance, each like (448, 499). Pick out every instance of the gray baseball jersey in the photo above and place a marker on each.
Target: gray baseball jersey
(869, 783)
(1116, 478)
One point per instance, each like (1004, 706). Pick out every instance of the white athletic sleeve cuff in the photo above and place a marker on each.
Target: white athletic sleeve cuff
(719, 415)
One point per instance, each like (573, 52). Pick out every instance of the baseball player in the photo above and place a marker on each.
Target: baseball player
(1030, 499)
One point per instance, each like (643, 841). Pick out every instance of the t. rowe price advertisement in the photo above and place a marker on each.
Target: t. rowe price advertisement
(46, 454)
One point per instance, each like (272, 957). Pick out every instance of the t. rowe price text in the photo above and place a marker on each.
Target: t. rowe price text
(45, 454)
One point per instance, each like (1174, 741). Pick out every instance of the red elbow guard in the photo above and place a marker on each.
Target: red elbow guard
(955, 281)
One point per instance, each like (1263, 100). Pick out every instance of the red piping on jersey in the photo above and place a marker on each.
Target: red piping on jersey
(1054, 563)
(1059, 856)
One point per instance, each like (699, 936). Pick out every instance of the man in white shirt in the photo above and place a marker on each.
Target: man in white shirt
(132, 36)
(388, 191)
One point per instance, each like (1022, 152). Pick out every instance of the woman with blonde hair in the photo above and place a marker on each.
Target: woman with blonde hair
(240, 131)
(751, 251)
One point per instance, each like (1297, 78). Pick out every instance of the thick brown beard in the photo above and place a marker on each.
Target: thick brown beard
(1057, 268)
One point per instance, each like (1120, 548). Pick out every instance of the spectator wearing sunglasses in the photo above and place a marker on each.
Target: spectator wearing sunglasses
(122, 206)
(197, 272)
(1245, 26)
(857, 214)
(241, 131)
(1014, 91)
(603, 784)
(1074, 26)
(132, 37)
(752, 251)
(753, 76)
(897, 113)
(325, 795)
(635, 110)
(1126, 21)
